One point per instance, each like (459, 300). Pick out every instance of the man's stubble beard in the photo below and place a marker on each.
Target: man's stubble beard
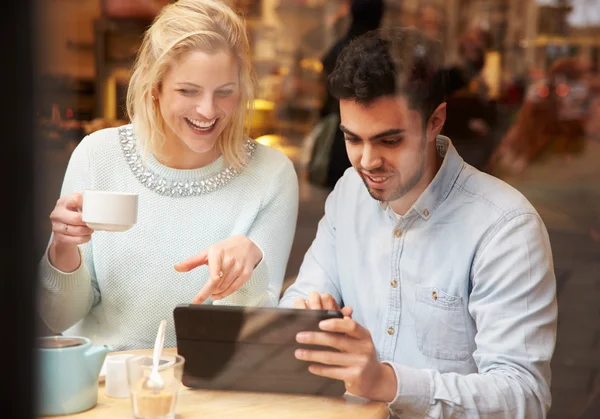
(403, 189)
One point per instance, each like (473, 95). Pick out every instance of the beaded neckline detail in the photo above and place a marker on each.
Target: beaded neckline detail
(177, 187)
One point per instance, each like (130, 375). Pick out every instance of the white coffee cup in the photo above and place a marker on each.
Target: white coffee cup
(115, 383)
(109, 211)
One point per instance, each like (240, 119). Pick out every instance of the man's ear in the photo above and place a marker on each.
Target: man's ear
(436, 122)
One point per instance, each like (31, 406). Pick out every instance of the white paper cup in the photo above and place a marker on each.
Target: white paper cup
(109, 211)
(116, 384)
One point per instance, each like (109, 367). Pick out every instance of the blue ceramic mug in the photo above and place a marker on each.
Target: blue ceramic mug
(69, 367)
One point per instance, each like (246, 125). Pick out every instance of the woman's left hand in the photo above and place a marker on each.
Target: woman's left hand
(230, 263)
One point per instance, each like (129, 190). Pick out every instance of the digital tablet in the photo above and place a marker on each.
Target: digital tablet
(249, 349)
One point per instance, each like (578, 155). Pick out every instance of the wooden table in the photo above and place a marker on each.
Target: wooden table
(208, 404)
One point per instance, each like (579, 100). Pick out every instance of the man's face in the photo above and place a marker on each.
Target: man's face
(386, 144)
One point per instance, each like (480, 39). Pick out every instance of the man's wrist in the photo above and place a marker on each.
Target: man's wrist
(386, 385)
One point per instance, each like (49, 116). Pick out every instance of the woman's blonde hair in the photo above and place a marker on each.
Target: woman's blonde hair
(181, 27)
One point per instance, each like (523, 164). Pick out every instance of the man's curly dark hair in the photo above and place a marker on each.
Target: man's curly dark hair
(391, 61)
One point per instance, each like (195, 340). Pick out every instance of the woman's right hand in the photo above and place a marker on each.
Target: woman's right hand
(69, 231)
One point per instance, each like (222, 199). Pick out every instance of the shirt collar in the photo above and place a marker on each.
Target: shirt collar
(442, 183)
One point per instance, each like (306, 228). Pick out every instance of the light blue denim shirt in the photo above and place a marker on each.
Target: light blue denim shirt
(459, 294)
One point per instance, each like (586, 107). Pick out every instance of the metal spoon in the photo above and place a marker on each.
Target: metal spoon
(154, 381)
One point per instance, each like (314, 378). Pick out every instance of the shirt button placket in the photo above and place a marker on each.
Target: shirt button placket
(395, 303)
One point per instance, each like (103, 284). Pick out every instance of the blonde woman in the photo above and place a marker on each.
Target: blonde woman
(208, 195)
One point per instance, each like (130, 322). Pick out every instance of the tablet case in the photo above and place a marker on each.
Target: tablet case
(249, 349)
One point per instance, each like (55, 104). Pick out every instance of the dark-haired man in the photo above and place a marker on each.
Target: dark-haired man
(444, 273)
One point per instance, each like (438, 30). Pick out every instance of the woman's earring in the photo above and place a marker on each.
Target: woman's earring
(153, 98)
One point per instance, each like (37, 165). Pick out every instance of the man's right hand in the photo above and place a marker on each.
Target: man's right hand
(316, 301)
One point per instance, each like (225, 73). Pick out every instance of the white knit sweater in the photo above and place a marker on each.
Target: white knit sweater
(127, 283)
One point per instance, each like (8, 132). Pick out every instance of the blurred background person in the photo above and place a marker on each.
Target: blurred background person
(551, 119)
(472, 48)
(365, 15)
(429, 19)
(471, 113)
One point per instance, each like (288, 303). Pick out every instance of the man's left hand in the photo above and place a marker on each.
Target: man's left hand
(356, 362)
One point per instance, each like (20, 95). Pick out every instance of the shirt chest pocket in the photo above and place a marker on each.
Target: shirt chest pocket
(440, 323)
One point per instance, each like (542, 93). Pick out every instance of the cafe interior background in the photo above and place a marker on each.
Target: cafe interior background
(85, 49)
